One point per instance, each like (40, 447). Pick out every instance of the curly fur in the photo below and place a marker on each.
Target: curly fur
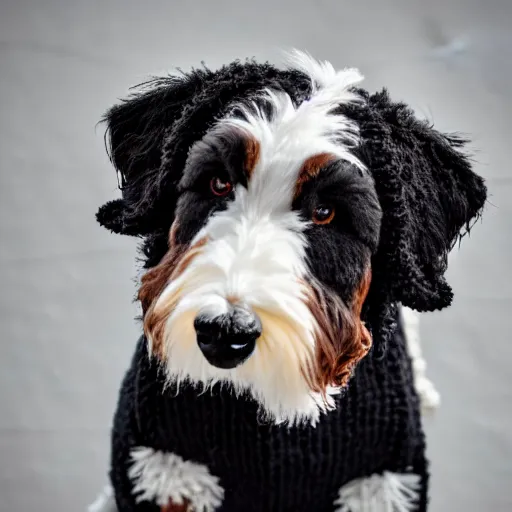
(427, 190)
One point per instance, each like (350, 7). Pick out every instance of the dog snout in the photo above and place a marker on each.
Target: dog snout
(228, 340)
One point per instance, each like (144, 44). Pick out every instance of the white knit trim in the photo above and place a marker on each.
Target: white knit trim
(163, 477)
(389, 492)
(429, 396)
(105, 502)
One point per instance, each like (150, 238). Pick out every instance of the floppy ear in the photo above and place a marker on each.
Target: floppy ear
(429, 195)
(135, 134)
(150, 133)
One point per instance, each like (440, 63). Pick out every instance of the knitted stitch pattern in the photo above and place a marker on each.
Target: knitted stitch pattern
(375, 427)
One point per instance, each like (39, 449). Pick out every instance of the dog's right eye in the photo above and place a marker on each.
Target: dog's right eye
(323, 214)
(219, 187)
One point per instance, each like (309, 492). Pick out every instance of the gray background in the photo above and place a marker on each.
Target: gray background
(66, 285)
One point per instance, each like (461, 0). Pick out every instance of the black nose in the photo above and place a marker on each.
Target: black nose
(227, 340)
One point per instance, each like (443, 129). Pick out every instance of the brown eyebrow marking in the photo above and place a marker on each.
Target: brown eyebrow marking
(311, 168)
(252, 155)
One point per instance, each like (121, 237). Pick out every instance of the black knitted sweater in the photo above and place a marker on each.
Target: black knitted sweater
(265, 468)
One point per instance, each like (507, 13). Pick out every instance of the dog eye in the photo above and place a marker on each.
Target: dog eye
(323, 214)
(220, 187)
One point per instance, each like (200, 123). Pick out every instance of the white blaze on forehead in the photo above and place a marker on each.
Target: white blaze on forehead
(292, 134)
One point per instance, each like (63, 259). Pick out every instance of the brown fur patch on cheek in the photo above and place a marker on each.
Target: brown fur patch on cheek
(311, 169)
(252, 155)
(342, 338)
(154, 282)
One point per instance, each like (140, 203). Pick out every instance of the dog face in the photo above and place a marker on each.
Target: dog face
(269, 258)
(268, 200)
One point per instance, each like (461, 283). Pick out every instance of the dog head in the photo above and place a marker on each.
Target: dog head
(266, 196)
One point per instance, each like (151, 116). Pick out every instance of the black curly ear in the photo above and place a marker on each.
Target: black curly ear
(429, 195)
(149, 135)
(135, 134)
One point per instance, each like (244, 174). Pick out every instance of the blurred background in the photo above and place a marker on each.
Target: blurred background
(66, 313)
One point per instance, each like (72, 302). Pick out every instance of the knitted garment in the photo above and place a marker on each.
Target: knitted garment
(375, 428)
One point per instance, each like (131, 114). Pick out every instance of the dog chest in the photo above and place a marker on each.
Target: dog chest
(265, 467)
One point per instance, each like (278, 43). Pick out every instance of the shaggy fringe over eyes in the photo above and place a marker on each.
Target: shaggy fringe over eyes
(342, 339)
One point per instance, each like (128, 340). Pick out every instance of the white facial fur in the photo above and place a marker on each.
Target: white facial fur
(255, 252)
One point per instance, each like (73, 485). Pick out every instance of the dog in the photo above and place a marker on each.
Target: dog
(287, 217)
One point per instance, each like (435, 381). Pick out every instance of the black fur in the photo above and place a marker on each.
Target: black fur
(427, 191)
(338, 252)
(217, 155)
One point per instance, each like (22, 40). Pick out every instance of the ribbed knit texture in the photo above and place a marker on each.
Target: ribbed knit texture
(265, 468)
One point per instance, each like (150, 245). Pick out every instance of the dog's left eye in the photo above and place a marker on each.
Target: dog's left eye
(323, 214)
(220, 187)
